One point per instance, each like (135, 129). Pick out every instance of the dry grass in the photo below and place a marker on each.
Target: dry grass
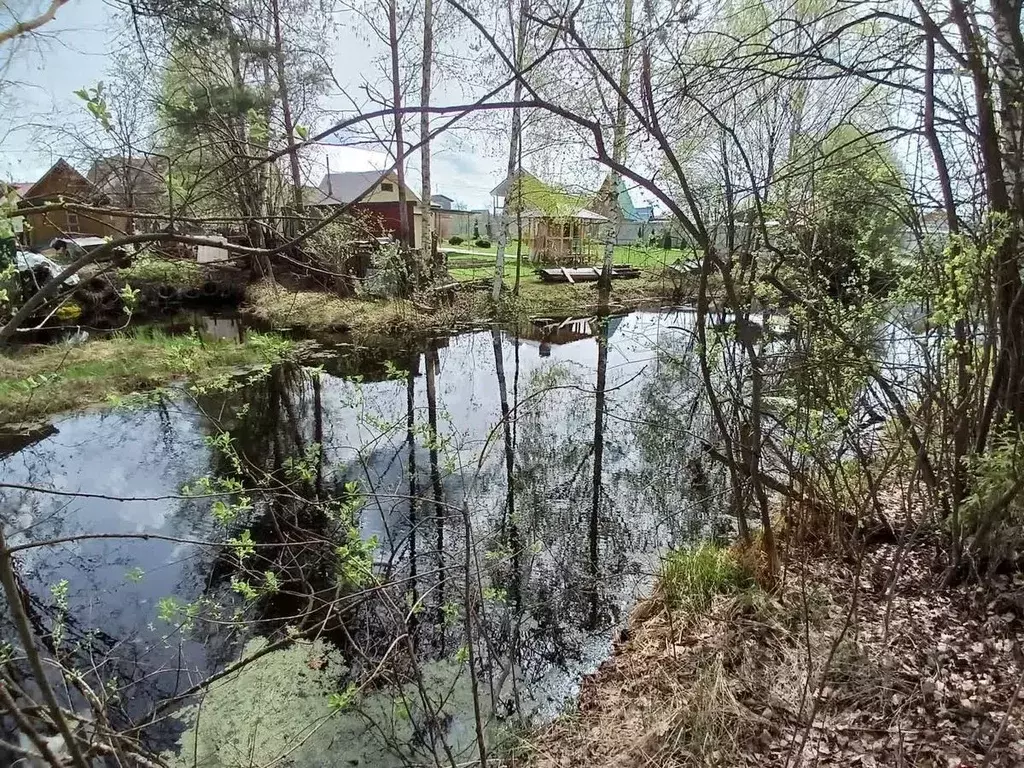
(283, 308)
(671, 696)
(828, 672)
(316, 311)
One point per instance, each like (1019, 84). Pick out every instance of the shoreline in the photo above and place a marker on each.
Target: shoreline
(837, 667)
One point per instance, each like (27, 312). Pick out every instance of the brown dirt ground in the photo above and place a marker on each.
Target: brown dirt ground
(839, 669)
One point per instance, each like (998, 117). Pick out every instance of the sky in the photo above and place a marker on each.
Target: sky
(42, 72)
(39, 73)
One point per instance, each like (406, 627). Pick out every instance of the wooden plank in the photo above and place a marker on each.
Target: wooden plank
(567, 275)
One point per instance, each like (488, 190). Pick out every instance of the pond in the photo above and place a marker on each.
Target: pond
(513, 487)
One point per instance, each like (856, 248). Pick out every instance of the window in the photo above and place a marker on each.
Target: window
(387, 186)
(72, 221)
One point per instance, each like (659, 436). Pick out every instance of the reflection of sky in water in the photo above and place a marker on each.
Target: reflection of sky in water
(153, 451)
(124, 453)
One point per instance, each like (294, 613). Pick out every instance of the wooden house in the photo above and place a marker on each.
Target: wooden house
(63, 182)
(133, 184)
(374, 195)
(632, 223)
(556, 225)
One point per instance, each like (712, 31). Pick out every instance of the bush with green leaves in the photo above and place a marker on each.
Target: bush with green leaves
(390, 273)
(483, 243)
(335, 243)
(151, 267)
(455, 240)
(844, 229)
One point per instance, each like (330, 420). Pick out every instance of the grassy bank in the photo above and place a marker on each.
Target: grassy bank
(39, 382)
(471, 306)
(837, 666)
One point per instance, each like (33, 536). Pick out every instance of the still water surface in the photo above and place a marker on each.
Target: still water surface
(557, 566)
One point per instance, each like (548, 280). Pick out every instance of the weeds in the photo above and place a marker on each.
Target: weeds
(691, 578)
(151, 268)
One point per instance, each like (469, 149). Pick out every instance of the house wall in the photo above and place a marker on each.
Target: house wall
(629, 233)
(380, 195)
(388, 219)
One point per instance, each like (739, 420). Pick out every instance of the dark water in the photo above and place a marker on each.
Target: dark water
(555, 566)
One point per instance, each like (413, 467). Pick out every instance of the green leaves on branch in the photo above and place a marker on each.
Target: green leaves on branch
(96, 103)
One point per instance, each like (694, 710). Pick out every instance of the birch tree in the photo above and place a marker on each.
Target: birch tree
(514, 152)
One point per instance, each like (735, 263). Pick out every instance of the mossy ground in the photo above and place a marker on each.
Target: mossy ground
(38, 382)
(471, 306)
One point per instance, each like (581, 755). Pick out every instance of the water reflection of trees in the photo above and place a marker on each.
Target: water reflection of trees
(585, 470)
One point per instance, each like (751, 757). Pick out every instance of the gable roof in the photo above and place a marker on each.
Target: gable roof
(342, 188)
(62, 166)
(623, 200)
(19, 188)
(543, 200)
(115, 173)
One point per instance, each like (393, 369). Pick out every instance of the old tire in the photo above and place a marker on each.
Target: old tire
(97, 284)
(167, 294)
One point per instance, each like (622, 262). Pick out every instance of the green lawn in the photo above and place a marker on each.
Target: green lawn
(470, 263)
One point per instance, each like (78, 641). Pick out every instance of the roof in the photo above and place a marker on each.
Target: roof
(60, 165)
(135, 180)
(539, 199)
(342, 188)
(503, 186)
(581, 213)
(17, 187)
(624, 200)
(442, 197)
(314, 196)
(21, 187)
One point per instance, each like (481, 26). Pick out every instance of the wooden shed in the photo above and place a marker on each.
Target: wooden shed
(570, 239)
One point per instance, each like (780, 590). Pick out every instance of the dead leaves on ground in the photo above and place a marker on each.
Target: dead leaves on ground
(887, 672)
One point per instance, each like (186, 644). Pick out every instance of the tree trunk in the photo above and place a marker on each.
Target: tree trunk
(618, 148)
(593, 528)
(286, 108)
(396, 96)
(427, 236)
(514, 154)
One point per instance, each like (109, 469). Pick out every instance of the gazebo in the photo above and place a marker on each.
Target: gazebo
(567, 239)
(557, 227)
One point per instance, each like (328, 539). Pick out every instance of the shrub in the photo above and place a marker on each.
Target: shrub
(483, 243)
(151, 267)
(455, 240)
(690, 578)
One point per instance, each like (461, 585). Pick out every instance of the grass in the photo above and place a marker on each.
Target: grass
(317, 311)
(39, 382)
(367, 318)
(150, 268)
(690, 578)
(480, 262)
